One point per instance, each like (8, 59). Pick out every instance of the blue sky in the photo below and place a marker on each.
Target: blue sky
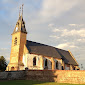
(59, 23)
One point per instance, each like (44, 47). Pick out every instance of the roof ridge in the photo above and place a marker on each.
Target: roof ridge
(47, 45)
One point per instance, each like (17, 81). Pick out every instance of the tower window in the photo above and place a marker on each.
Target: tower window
(34, 61)
(15, 41)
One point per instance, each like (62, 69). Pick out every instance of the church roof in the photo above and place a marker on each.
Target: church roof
(66, 57)
(45, 50)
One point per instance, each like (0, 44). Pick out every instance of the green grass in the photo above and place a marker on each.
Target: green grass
(28, 82)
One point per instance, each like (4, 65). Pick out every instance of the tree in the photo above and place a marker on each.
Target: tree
(3, 63)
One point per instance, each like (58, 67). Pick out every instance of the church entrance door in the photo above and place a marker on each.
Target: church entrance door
(12, 68)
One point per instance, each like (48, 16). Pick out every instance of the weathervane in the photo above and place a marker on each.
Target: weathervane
(19, 11)
(22, 9)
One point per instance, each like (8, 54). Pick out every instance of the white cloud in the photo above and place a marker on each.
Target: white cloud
(73, 46)
(63, 45)
(51, 8)
(66, 45)
(7, 59)
(81, 40)
(56, 30)
(8, 1)
(4, 49)
(76, 25)
(54, 36)
(72, 24)
(73, 32)
(81, 58)
(51, 25)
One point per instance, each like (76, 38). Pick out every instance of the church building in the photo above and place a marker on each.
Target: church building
(36, 56)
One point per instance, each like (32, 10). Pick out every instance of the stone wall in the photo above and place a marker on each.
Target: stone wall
(12, 75)
(71, 76)
(60, 76)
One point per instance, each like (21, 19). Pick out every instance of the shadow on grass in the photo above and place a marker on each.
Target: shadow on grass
(29, 82)
(20, 82)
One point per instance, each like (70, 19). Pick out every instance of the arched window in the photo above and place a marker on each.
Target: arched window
(34, 61)
(45, 62)
(51, 65)
(56, 64)
(62, 68)
(74, 68)
(15, 41)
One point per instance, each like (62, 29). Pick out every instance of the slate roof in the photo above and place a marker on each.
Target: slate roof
(66, 57)
(45, 50)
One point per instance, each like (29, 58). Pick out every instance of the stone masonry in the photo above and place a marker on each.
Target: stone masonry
(60, 76)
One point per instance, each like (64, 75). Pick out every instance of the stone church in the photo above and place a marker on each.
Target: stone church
(26, 54)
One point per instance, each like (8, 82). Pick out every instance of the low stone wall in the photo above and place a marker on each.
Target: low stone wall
(71, 76)
(60, 76)
(41, 75)
(12, 75)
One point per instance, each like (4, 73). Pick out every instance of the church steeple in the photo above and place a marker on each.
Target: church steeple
(20, 25)
(18, 42)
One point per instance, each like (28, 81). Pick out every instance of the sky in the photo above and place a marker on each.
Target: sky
(58, 23)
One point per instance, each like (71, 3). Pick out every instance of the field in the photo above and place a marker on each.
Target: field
(28, 82)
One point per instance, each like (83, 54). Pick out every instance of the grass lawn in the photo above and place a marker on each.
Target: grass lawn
(28, 82)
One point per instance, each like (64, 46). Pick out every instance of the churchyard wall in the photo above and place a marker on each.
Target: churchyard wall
(60, 76)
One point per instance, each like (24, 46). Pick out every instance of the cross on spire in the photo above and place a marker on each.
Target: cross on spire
(20, 11)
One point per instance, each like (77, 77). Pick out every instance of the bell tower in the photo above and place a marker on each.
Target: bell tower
(18, 42)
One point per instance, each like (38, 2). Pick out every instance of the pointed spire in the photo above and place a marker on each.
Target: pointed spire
(20, 25)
